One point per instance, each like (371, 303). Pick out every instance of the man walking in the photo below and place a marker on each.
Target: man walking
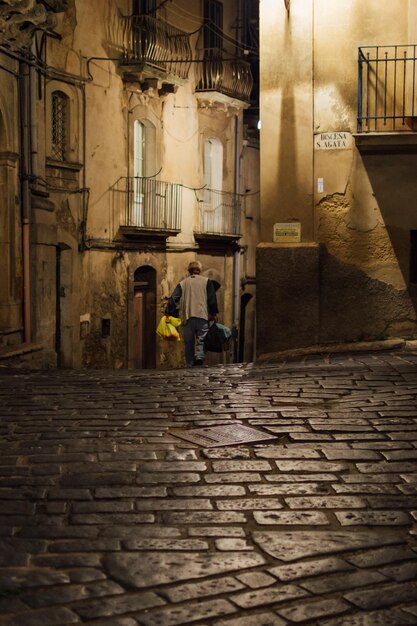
(196, 297)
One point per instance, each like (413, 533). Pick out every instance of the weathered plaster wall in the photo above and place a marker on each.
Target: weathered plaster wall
(365, 209)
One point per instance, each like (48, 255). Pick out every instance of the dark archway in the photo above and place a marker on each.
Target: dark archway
(144, 318)
(244, 301)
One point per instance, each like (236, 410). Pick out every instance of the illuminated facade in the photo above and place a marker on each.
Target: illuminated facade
(338, 163)
(126, 151)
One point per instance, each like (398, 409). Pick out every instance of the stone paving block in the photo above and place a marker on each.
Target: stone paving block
(305, 569)
(233, 477)
(279, 452)
(365, 488)
(268, 595)
(311, 466)
(373, 518)
(256, 580)
(68, 593)
(296, 478)
(241, 466)
(112, 518)
(337, 582)
(291, 489)
(173, 466)
(85, 574)
(292, 545)
(205, 517)
(144, 530)
(77, 545)
(166, 544)
(382, 556)
(116, 605)
(248, 504)
(130, 492)
(148, 569)
(210, 491)
(326, 502)
(232, 544)
(309, 610)
(260, 619)
(216, 531)
(226, 453)
(167, 477)
(174, 504)
(401, 571)
(387, 595)
(173, 616)
(391, 617)
(291, 518)
(191, 590)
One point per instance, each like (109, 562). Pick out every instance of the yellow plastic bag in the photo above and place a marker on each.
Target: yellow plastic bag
(167, 328)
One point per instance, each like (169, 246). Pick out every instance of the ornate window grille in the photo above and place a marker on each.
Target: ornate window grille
(59, 125)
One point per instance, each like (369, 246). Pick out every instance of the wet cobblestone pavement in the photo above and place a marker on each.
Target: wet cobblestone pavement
(108, 517)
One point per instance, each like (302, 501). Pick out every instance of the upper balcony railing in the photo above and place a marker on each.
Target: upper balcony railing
(217, 72)
(219, 214)
(153, 43)
(387, 94)
(146, 204)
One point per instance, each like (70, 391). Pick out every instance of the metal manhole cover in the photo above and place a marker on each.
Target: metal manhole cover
(226, 435)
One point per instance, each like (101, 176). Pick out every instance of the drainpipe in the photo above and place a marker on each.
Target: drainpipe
(25, 191)
(236, 257)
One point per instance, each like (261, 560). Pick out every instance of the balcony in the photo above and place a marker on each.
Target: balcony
(221, 80)
(148, 208)
(154, 52)
(218, 217)
(387, 98)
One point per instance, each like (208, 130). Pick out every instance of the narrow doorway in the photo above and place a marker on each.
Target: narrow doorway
(144, 320)
(244, 301)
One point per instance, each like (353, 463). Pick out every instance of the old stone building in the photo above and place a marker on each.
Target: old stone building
(338, 254)
(127, 149)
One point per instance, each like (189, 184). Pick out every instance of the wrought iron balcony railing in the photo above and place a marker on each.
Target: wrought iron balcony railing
(153, 43)
(387, 95)
(217, 72)
(148, 204)
(219, 214)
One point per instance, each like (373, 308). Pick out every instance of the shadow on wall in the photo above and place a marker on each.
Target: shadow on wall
(394, 183)
(355, 307)
(352, 304)
(286, 179)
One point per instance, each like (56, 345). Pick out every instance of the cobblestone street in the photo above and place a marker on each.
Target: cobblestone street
(109, 516)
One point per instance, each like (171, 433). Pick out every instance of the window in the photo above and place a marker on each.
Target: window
(144, 7)
(213, 164)
(59, 125)
(144, 165)
(213, 24)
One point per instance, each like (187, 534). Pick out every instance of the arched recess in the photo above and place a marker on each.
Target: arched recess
(142, 334)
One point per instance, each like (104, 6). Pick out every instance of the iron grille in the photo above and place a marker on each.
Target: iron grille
(231, 77)
(387, 89)
(153, 42)
(151, 204)
(219, 213)
(59, 125)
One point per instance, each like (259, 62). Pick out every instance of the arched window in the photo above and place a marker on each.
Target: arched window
(213, 164)
(59, 125)
(144, 165)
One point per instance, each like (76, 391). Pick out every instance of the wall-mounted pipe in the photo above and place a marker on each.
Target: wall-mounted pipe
(25, 192)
